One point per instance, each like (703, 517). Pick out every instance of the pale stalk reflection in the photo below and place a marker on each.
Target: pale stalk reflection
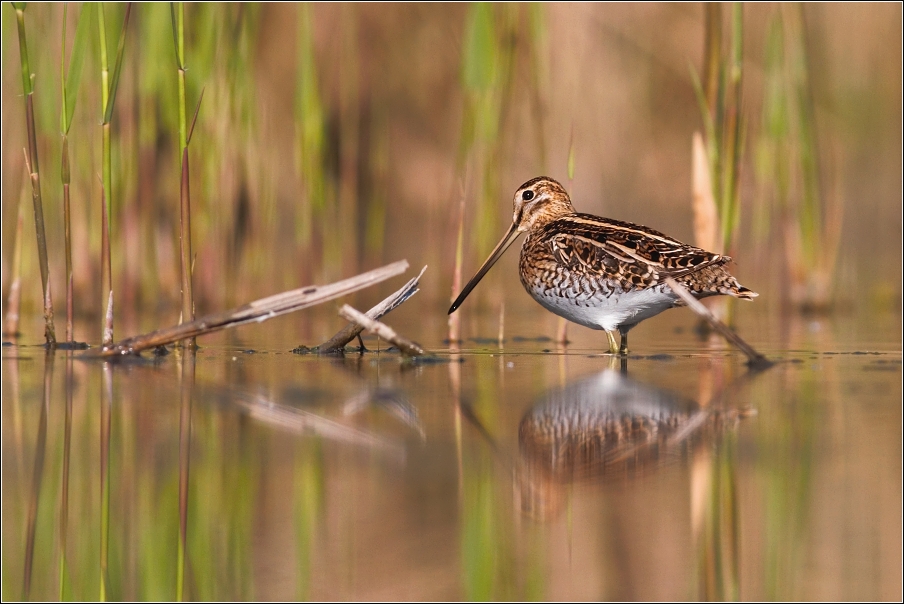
(38, 473)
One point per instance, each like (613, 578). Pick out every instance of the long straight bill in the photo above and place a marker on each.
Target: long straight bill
(503, 245)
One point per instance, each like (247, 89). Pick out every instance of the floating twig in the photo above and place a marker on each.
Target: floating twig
(754, 358)
(407, 347)
(253, 312)
(353, 330)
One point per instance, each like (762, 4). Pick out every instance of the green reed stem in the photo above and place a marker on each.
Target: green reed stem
(811, 210)
(68, 91)
(65, 177)
(177, 13)
(719, 96)
(310, 124)
(733, 135)
(105, 100)
(106, 278)
(789, 164)
(105, 252)
(109, 84)
(34, 175)
(712, 53)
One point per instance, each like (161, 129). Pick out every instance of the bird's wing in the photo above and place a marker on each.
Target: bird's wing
(626, 251)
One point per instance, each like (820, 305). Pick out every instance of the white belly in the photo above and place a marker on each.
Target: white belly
(609, 312)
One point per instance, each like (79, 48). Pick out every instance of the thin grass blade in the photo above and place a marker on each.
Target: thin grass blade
(76, 61)
(117, 68)
(194, 119)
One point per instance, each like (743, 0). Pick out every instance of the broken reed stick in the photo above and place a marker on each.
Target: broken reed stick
(253, 312)
(353, 330)
(408, 348)
(754, 358)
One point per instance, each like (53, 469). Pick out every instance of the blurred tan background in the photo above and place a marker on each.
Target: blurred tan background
(388, 92)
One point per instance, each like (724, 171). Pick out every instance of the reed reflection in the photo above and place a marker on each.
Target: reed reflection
(37, 475)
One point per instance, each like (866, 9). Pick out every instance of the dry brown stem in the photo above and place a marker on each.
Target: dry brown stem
(253, 312)
(353, 330)
(407, 347)
(754, 358)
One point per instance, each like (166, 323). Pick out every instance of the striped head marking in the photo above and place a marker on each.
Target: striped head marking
(539, 201)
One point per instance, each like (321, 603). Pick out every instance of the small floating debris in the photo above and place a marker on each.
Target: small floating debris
(71, 345)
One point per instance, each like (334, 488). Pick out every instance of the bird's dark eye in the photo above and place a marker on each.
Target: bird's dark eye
(527, 195)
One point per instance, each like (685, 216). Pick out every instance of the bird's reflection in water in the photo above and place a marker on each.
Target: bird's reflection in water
(604, 427)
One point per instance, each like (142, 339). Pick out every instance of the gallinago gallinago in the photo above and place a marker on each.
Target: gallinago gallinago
(598, 272)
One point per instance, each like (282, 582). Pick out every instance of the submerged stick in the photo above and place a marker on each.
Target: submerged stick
(253, 312)
(754, 358)
(408, 348)
(353, 330)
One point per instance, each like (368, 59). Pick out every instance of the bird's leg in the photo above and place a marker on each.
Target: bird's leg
(623, 349)
(613, 347)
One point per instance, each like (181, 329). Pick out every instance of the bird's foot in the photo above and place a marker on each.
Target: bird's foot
(623, 349)
(613, 346)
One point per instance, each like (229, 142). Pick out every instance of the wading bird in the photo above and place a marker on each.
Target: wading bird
(598, 272)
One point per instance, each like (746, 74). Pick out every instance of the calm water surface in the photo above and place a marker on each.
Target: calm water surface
(528, 472)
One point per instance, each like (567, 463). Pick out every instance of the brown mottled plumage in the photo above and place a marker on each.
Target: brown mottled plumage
(598, 272)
